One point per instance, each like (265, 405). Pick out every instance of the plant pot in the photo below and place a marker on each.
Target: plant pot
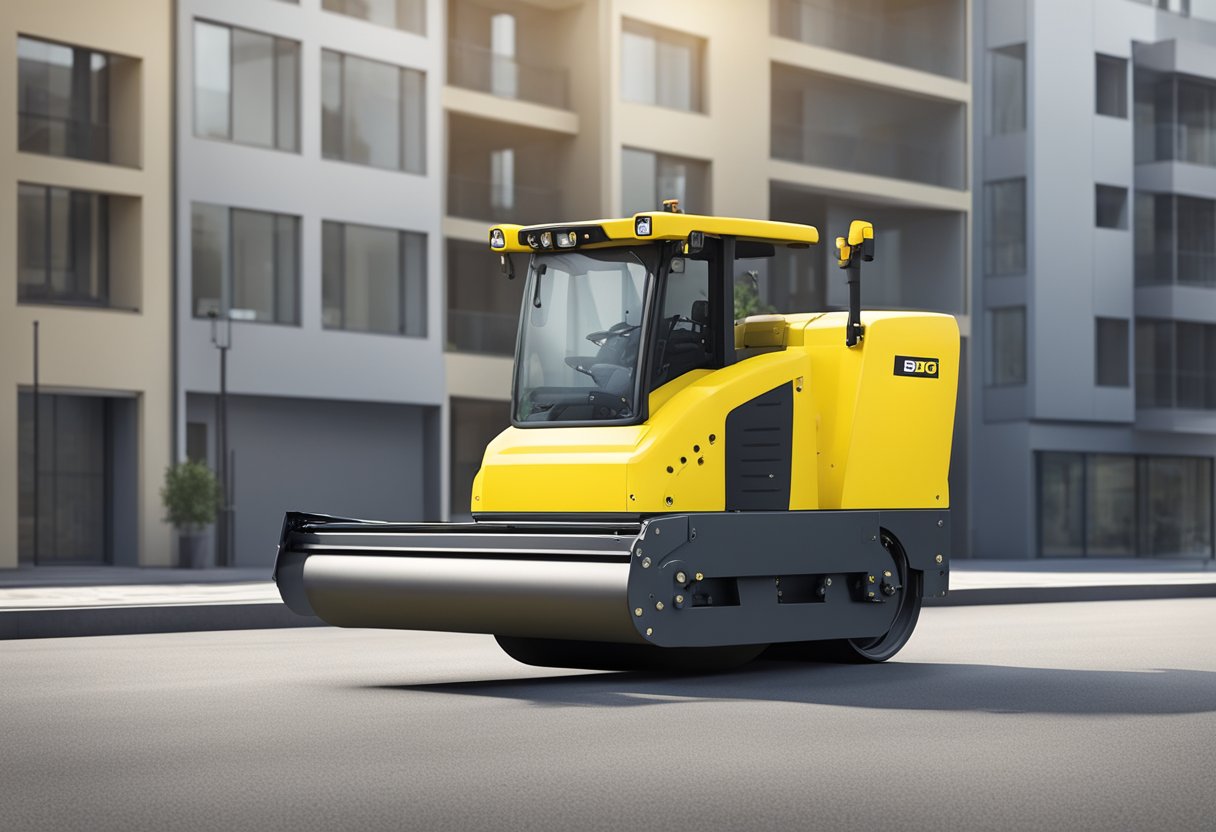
(192, 550)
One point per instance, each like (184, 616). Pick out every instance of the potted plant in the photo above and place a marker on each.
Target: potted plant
(190, 495)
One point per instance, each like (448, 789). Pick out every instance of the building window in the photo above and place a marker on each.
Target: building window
(406, 15)
(1005, 227)
(1110, 352)
(1175, 364)
(63, 241)
(1110, 206)
(649, 178)
(1008, 77)
(662, 67)
(1175, 240)
(373, 279)
(67, 98)
(372, 113)
(1008, 327)
(246, 87)
(245, 263)
(1175, 118)
(475, 423)
(1108, 505)
(1110, 86)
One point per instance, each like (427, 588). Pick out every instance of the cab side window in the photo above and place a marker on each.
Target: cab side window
(684, 340)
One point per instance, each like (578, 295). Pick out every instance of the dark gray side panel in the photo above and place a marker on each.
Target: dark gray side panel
(759, 444)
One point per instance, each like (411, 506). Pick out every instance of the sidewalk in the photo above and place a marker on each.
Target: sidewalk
(74, 601)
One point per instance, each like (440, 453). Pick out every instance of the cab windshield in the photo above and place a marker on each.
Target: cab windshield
(581, 336)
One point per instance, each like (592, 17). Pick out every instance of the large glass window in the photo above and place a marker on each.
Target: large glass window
(582, 335)
(1108, 505)
(246, 263)
(649, 178)
(1110, 76)
(661, 67)
(1175, 364)
(62, 246)
(1005, 227)
(372, 113)
(64, 100)
(1008, 366)
(246, 87)
(1110, 352)
(1008, 99)
(1175, 118)
(373, 279)
(1175, 239)
(407, 15)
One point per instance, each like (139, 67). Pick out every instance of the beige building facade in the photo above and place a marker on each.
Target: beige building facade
(85, 233)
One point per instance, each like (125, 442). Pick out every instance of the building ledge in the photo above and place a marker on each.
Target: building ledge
(867, 70)
(509, 110)
(1176, 420)
(475, 376)
(880, 189)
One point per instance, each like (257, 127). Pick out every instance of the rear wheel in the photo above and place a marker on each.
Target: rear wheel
(600, 655)
(868, 650)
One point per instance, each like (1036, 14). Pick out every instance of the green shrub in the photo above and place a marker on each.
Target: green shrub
(191, 495)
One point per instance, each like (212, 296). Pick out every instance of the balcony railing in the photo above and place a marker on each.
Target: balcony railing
(913, 162)
(1178, 389)
(60, 136)
(489, 333)
(1173, 142)
(1188, 268)
(478, 200)
(913, 37)
(477, 68)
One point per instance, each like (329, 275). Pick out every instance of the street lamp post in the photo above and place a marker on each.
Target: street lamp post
(221, 338)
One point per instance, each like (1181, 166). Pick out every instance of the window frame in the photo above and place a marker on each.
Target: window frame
(403, 277)
(403, 147)
(272, 105)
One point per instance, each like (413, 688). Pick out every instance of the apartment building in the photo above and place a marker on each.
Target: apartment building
(85, 164)
(816, 111)
(1095, 301)
(309, 249)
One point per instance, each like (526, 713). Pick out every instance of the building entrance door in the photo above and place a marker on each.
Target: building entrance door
(71, 513)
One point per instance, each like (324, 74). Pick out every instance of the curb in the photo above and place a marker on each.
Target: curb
(1062, 594)
(167, 618)
(67, 622)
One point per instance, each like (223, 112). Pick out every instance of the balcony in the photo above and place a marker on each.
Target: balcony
(504, 173)
(1188, 268)
(828, 122)
(475, 199)
(477, 68)
(483, 306)
(920, 260)
(926, 35)
(1171, 142)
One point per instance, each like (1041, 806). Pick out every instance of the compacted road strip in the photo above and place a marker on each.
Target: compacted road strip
(1077, 716)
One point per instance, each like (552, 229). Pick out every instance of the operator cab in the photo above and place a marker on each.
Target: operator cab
(615, 310)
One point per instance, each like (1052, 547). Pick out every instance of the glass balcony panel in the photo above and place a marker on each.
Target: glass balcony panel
(920, 34)
(478, 68)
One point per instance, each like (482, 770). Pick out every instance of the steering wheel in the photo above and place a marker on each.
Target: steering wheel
(615, 331)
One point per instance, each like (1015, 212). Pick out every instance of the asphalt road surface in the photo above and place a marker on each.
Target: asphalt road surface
(1039, 716)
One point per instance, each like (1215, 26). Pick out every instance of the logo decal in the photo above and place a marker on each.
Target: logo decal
(910, 365)
(641, 227)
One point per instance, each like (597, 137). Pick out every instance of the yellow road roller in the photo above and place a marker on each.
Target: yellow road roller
(680, 487)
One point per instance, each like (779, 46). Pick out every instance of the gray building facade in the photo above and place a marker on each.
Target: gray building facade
(309, 241)
(1094, 422)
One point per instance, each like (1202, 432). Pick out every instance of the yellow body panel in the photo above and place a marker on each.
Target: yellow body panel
(863, 436)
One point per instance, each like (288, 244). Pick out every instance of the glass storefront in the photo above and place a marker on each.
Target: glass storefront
(1112, 505)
